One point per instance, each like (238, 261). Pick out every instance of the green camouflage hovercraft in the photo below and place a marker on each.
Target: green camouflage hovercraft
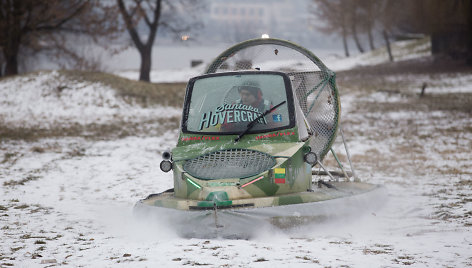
(255, 130)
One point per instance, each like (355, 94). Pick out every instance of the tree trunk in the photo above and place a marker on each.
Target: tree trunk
(10, 54)
(370, 23)
(346, 48)
(387, 43)
(371, 39)
(144, 48)
(356, 39)
(145, 69)
(469, 51)
(11, 65)
(344, 31)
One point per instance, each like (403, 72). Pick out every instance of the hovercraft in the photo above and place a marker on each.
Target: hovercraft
(255, 131)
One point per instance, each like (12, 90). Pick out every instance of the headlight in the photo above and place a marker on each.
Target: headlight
(311, 158)
(166, 165)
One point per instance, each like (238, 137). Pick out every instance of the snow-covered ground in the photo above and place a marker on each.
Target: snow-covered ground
(167, 76)
(67, 200)
(49, 99)
(401, 50)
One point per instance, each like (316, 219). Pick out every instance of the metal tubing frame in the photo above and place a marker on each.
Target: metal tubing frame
(340, 165)
(327, 171)
(348, 154)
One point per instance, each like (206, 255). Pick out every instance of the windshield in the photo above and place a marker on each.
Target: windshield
(225, 103)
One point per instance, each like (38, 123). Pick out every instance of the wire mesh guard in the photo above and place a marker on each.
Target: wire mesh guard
(313, 83)
(233, 163)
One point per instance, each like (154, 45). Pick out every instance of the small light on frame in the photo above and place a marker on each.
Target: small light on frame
(166, 165)
(311, 158)
(264, 36)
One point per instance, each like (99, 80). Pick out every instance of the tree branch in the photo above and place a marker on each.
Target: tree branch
(143, 12)
(154, 24)
(129, 25)
(55, 25)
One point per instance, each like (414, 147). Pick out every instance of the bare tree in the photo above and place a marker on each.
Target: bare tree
(353, 21)
(369, 10)
(2, 65)
(28, 25)
(449, 23)
(388, 19)
(155, 14)
(334, 19)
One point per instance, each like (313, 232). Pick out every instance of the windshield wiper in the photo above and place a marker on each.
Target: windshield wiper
(253, 122)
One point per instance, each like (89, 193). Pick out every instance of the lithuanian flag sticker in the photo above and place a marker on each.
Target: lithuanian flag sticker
(279, 175)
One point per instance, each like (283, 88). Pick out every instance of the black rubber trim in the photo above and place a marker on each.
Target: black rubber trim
(153, 195)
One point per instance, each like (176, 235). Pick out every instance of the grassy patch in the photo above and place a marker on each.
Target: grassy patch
(7, 156)
(404, 260)
(306, 258)
(463, 183)
(167, 94)
(450, 102)
(16, 249)
(37, 149)
(131, 91)
(22, 181)
(38, 208)
(21, 206)
(461, 102)
(116, 129)
(375, 251)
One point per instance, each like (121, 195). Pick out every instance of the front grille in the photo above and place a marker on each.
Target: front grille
(233, 163)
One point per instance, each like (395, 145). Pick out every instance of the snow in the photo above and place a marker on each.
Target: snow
(80, 207)
(50, 99)
(68, 200)
(402, 50)
(166, 76)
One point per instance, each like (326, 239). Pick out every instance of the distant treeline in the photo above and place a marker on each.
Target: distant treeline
(448, 22)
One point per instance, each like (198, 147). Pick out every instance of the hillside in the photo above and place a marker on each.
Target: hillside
(64, 103)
